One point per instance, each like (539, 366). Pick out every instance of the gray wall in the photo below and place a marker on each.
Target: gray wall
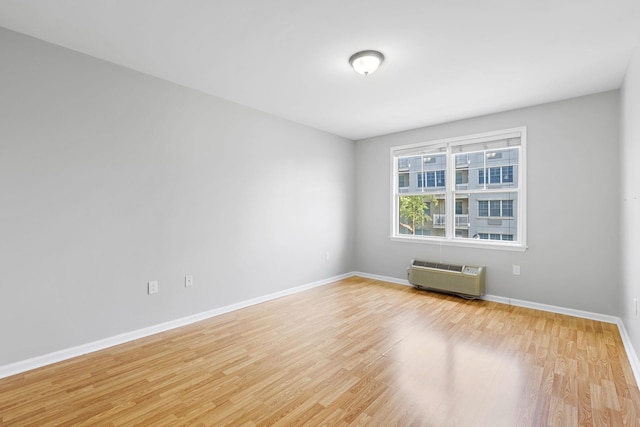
(110, 178)
(630, 177)
(572, 196)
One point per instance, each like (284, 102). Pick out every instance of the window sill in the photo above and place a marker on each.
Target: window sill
(466, 243)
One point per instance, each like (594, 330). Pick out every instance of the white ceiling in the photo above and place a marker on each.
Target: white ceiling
(445, 59)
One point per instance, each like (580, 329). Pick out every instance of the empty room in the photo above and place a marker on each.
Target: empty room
(250, 213)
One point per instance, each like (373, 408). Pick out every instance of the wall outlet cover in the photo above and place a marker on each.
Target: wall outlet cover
(152, 287)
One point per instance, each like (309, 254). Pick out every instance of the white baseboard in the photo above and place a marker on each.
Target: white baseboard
(631, 354)
(382, 278)
(554, 309)
(58, 356)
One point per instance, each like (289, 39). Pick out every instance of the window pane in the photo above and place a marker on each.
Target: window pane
(507, 174)
(507, 208)
(403, 163)
(421, 215)
(439, 160)
(403, 180)
(461, 217)
(508, 165)
(462, 160)
(494, 175)
(497, 168)
(458, 207)
(431, 179)
(420, 173)
(494, 208)
(497, 216)
(483, 208)
(462, 178)
(438, 215)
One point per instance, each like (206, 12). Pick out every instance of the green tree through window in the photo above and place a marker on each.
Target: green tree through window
(413, 211)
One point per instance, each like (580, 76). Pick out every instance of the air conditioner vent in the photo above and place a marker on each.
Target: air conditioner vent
(457, 268)
(439, 266)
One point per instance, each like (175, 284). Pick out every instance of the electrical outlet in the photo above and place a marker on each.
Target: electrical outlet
(188, 281)
(327, 256)
(635, 306)
(152, 287)
(516, 270)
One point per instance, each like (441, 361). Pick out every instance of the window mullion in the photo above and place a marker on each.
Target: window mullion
(422, 174)
(450, 188)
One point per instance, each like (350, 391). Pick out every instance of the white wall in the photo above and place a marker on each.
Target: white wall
(630, 212)
(573, 236)
(110, 178)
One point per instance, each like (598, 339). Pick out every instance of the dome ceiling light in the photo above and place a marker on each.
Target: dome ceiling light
(366, 61)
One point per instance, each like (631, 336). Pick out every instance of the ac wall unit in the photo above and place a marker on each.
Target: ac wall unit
(463, 280)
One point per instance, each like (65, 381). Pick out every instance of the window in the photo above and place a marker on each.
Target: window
(462, 177)
(495, 208)
(494, 175)
(507, 208)
(483, 208)
(497, 175)
(433, 179)
(507, 173)
(403, 180)
(464, 191)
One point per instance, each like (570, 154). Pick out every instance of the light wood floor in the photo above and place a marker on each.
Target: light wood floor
(357, 352)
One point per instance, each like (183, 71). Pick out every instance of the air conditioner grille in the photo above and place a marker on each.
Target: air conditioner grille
(439, 266)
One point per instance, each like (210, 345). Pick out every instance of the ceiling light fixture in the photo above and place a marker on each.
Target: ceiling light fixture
(366, 61)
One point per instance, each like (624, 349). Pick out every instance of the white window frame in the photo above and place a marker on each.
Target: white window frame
(446, 146)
